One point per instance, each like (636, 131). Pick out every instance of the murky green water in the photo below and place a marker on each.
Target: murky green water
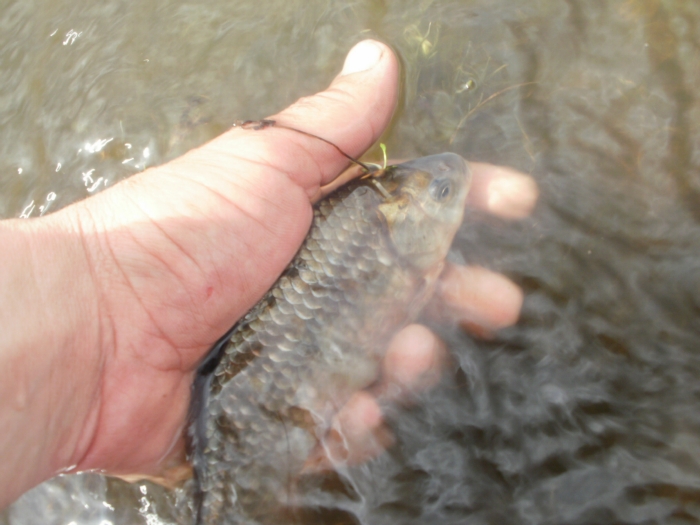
(589, 410)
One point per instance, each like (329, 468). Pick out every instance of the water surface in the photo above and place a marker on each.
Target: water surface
(588, 411)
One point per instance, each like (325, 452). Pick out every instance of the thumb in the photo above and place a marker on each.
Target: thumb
(352, 113)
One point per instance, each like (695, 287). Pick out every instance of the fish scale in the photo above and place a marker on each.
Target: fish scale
(265, 399)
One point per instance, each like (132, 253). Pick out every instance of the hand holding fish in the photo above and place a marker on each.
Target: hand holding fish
(130, 288)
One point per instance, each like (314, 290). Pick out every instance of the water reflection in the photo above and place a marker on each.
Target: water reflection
(587, 411)
(70, 37)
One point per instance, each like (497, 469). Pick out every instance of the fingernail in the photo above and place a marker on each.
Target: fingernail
(362, 57)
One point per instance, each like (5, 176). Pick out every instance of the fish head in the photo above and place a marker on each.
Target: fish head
(423, 206)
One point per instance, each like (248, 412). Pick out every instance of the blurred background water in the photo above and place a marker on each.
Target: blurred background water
(586, 412)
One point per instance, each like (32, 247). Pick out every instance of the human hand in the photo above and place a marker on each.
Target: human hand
(166, 261)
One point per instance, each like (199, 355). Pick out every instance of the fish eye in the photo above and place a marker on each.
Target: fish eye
(440, 189)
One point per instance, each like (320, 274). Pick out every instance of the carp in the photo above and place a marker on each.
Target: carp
(265, 396)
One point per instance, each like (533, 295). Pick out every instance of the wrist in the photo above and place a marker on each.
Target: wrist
(49, 350)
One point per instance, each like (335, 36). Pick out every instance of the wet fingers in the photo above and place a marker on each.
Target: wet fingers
(414, 362)
(502, 191)
(357, 434)
(479, 300)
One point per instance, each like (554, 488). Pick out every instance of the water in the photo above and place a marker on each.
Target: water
(588, 410)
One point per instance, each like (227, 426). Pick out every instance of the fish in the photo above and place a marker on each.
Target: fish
(264, 398)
